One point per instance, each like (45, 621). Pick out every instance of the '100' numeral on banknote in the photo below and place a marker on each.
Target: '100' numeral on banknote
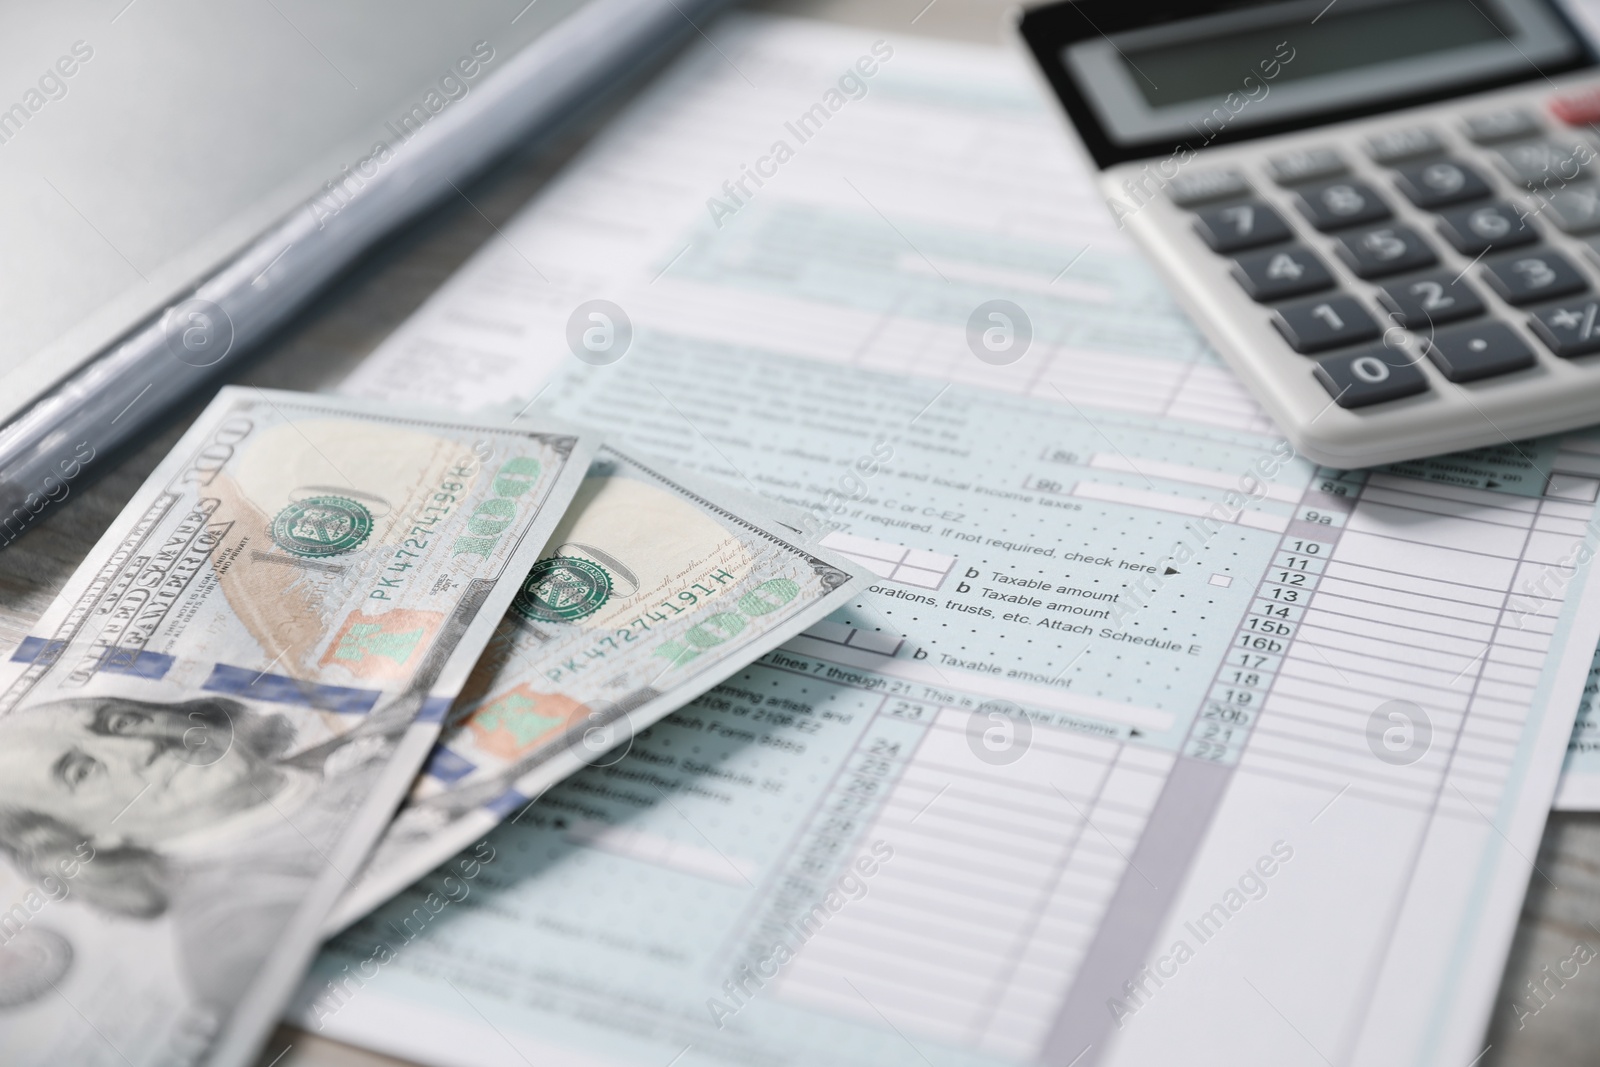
(650, 592)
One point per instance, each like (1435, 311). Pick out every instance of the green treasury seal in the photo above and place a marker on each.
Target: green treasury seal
(321, 526)
(563, 589)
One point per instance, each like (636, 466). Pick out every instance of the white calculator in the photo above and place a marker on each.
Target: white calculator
(1385, 214)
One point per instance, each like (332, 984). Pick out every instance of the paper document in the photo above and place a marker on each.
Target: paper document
(1580, 777)
(649, 593)
(212, 723)
(1151, 744)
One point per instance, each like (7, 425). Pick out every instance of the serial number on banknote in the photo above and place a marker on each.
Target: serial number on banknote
(711, 631)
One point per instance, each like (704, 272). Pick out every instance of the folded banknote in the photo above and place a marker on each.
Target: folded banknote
(652, 590)
(208, 730)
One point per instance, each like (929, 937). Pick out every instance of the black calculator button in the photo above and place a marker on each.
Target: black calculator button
(1574, 208)
(1490, 126)
(1306, 165)
(1385, 250)
(1546, 164)
(1475, 230)
(1440, 183)
(1525, 277)
(1335, 205)
(1321, 323)
(1571, 328)
(1476, 350)
(1394, 145)
(1370, 375)
(1234, 227)
(1430, 300)
(1280, 273)
(1203, 186)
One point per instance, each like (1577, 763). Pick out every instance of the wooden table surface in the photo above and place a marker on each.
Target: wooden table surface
(327, 340)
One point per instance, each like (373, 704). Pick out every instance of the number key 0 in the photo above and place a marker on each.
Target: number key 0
(1369, 375)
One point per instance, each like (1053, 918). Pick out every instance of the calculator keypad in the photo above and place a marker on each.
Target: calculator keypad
(1336, 205)
(1385, 250)
(1439, 183)
(1393, 204)
(1430, 300)
(1235, 227)
(1528, 277)
(1475, 230)
(1475, 350)
(1569, 328)
(1281, 273)
(1321, 323)
(1371, 375)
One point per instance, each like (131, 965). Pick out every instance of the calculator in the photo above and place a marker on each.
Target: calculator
(1384, 214)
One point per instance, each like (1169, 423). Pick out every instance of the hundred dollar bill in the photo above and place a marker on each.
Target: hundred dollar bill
(649, 593)
(212, 724)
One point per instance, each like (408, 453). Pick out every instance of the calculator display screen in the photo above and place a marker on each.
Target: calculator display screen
(1344, 39)
(1142, 76)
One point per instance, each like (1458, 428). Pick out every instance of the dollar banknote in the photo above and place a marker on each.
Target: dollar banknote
(210, 727)
(650, 592)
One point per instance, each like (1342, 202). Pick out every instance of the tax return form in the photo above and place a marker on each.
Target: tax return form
(1580, 777)
(1153, 744)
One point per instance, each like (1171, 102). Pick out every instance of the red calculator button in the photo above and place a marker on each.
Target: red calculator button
(1581, 108)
